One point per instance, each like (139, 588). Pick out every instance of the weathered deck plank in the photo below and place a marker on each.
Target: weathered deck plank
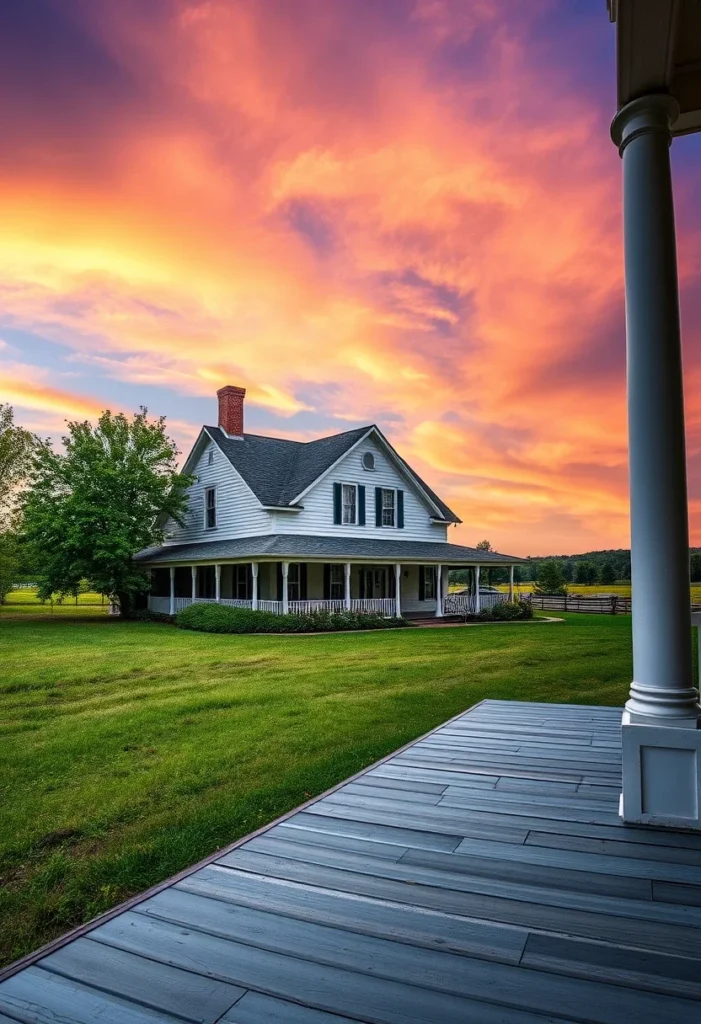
(480, 874)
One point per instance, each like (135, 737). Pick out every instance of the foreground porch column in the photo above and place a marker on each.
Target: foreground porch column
(171, 609)
(439, 591)
(254, 586)
(217, 583)
(193, 573)
(661, 739)
(511, 583)
(347, 586)
(398, 590)
(285, 572)
(477, 590)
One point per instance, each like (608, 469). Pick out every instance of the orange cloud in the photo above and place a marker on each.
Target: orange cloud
(338, 213)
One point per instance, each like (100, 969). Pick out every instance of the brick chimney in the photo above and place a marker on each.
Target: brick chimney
(231, 409)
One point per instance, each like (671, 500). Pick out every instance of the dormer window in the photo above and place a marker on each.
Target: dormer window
(368, 460)
(350, 503)
(210, 508)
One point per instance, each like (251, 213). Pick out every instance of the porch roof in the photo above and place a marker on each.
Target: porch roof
(298, 546)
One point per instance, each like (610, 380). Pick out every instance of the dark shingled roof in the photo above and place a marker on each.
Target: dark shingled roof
(277, 470)
(298, 546)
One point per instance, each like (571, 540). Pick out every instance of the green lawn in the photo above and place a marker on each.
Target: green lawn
(128, 750)
(26, 602)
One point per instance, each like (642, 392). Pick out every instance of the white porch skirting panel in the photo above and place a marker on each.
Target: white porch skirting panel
(161, 605)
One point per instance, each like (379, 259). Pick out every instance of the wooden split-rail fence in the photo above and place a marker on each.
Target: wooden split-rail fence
(610, 604)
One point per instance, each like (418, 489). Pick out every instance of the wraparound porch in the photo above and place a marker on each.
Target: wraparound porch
(283, 587)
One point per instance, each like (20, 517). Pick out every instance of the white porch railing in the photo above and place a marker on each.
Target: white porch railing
(464, 604)
(309, 607)
(377, 605)
(459, 604)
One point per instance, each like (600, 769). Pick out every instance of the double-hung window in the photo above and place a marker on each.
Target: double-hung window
(387, 506)
(430, 582)
(336, 583)
(350, 504)
(210, 508)
(241, 576)
(293, 582)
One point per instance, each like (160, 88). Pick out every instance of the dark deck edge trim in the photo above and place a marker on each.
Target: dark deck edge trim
(83, 929)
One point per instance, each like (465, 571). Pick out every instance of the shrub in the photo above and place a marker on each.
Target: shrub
(506, 611)
(218, 618)
(144, 615)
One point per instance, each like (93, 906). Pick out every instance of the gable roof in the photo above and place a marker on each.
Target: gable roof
(278, 470)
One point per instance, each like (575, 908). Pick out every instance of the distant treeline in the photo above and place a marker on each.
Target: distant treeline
(599, 566)
(591, 568)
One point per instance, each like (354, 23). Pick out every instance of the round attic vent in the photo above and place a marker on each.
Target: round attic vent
(368, 460)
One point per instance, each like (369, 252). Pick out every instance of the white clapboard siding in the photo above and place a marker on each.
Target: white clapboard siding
(317, 517)
(239, 513)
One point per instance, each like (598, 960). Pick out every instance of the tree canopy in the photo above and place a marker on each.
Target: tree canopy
(16, 447)
(551, 579)
(92, 506)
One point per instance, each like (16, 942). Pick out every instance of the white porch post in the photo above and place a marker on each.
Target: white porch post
(439, 591)
(285, 571)
(347, 586)
(477, 590)
(661, 739)
(217, 583)
(193, 573)
(254, 586)
(398, 590)
(171, 608)
(511, 583)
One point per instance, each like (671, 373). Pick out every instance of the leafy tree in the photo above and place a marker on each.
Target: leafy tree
(486, 572)
(607, 576)
(518, 574)
(551, 579)
(91, 507)
(16, 446)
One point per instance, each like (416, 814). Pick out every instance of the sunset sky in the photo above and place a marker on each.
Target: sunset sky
(399, 211)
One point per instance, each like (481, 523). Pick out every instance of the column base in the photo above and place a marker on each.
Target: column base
(661, 775)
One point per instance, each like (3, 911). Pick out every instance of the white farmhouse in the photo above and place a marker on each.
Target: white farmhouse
(342, 522)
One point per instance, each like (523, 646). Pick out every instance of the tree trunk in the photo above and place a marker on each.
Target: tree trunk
(125, 605)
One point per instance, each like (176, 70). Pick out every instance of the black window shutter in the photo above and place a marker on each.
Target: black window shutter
(392, 581)
(249, 582)
(361, 588)
(327, 581)
(279, 580)
(361, 505)
(303, 581)
(422, 583)
(337, 504)
(400, 509)
(378, 506)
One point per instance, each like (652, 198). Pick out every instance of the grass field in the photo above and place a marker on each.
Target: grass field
(26, 602)
(131, 750)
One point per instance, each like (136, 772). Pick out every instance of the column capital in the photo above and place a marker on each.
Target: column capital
(654, 113)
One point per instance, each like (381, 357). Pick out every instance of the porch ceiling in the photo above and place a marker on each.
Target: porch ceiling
(658, 45)
(296, 547)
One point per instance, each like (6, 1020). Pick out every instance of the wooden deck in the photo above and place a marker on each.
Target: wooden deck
(479, 875)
